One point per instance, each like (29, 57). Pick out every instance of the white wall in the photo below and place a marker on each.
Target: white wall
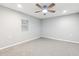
(64, 28)
(10, 27)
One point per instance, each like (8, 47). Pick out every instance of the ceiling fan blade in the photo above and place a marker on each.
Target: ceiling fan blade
(38, 5)
(51, 5)
(37, 11)
(53, 11)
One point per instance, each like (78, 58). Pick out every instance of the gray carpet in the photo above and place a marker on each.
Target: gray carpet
(42, 47)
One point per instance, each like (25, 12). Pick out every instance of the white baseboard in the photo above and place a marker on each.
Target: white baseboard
(37, 38)
(19, 43)
(60, 39)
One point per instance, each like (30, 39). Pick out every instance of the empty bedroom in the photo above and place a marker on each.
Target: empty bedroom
(39, 29)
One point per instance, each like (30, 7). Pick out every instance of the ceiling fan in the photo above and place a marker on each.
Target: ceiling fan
(46, 8)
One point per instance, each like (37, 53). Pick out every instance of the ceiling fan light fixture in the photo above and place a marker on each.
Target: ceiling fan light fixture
(45, 11)
(45, 8)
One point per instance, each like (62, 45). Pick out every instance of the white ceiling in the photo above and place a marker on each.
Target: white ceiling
(30, 8)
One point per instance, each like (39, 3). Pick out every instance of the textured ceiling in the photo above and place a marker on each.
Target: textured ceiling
(30, 8)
